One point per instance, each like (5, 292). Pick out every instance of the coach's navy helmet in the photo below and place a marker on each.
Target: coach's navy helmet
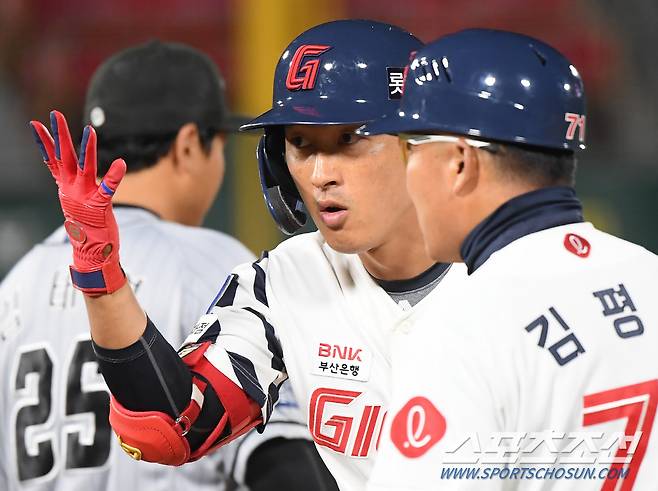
(493, 85)
(341, 72)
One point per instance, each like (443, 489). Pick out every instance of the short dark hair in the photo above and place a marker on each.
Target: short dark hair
(141, 152)
(536, 165)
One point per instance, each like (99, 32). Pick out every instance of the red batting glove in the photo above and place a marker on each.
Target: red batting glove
(87, 206)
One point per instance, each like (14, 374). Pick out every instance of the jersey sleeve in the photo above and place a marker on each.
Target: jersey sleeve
(209, 258)
(239, 339)
(221, 383)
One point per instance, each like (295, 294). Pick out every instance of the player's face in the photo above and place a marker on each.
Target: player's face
(353, 186)
(430, 182)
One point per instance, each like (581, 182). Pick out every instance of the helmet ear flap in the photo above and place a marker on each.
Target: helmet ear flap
(281, 196)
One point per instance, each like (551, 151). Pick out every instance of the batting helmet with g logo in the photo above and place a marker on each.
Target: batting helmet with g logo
(494, 85)
(341, 72)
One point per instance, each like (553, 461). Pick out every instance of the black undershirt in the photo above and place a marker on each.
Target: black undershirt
(413, 290)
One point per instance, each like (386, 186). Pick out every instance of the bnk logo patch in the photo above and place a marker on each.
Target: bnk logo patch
(302, 76)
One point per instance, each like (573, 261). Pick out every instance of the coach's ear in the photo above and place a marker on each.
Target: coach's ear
(466, 169)
(186, 148)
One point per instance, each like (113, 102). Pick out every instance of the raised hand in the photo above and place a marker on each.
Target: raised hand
(87, 205)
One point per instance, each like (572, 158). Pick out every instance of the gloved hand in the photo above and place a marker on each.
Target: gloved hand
(87, 206)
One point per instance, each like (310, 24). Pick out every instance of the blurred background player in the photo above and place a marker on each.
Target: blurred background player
(160, 106)
(551, 338)
(320, 308)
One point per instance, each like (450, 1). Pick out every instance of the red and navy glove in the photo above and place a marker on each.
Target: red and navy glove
(87, 206)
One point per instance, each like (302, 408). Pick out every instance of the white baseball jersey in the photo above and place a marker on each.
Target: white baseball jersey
(315, 315)
(535, 372)
(54, 409)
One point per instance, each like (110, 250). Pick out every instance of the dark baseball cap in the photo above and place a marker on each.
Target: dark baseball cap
(155, 88)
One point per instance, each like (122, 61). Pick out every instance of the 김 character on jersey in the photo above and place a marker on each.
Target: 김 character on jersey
(549, 334)
(319, 309)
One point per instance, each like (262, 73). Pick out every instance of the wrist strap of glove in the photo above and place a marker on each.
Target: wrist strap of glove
(107, 278)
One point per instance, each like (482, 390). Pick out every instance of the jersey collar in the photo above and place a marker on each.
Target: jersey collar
(415, 283)
(526, 214)
(136, 207)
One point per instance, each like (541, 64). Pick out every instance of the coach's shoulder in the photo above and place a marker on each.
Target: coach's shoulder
(565, 250)
(614, 246)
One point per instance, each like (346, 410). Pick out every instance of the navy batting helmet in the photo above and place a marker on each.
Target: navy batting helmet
(341, 72)
(494, 85)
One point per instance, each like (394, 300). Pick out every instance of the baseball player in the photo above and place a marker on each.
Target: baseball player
(161, 106)
(538, 369)
(320, 309)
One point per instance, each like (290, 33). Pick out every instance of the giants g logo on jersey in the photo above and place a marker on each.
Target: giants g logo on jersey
(302, 76)
(341, 421)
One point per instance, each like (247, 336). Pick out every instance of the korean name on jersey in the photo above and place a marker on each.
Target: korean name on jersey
(555, 332)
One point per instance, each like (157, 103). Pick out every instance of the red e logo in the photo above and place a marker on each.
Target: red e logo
(577, 245)
(302, 77)
(417, 427)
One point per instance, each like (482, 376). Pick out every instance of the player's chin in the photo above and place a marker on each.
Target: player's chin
(344, 239)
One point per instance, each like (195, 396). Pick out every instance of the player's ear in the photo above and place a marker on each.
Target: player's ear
(465, 168)
(186, 147)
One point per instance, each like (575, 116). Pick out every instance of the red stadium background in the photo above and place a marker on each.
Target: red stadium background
(50, 48)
